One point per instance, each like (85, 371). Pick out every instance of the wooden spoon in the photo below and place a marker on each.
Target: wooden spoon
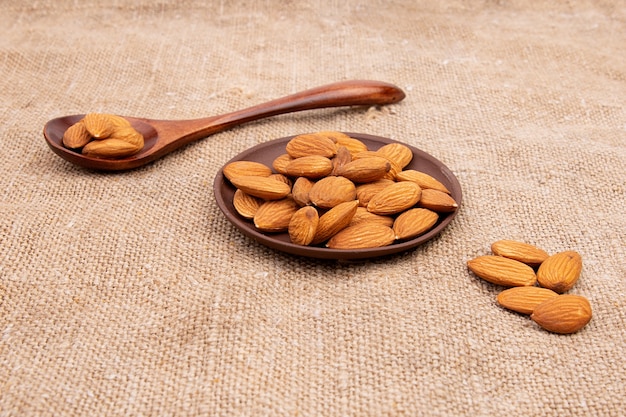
(164, 136)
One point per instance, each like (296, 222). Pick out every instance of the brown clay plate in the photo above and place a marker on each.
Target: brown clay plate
(266, 153)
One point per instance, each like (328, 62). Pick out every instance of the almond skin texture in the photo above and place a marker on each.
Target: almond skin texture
(353, 145)
(282, 178)
(520, 251)
(275, 216)
(368, 154)
(342, 157)
(438, 201)
(365, 192)
(246, 168)
(76, 136)
(365, 169)
(362, 215)
(564, 314)
(311, 144)
(262, 187)
(331, 191)
(128, 134)
(334, 220)
(245, 204)
(393, 171)
(502, 271)
(303, 225)
(118, 121)
(395, 198)
(362, 236)
(400, 154)
(110, 148)
(524, 300)
(98, 125)
(280, 163)
(312, 167)
(560, 271)
(414, 222)
(300, 191)
(422, 179)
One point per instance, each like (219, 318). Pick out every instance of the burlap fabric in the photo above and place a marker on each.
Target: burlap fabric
(131, 294)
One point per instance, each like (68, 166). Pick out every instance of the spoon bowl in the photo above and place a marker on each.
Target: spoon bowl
(164, 136)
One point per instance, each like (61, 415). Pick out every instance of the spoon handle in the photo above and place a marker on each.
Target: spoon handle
(345, 93)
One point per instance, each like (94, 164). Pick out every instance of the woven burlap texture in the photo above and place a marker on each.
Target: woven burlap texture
(131, 294)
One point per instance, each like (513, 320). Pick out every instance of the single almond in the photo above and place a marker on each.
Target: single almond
(110, 148)
(261, 187)
(331, 191)
(312, 167)
(436, 200)
(524, 299)
(394, 168)
(98, 125)
(560, 271)
(128, 134)
(311, 144)
(246, 168)
(414, 222)
(424, 180)
(365, 169)
(303, 225)
(245, 204)
(280, 163)
(76, 136)
(300, 191)
(362, 215)
(334, 220)
(275, 215)
(399, 153)
(362, 236)
(395, 198)
(564, 314)
(502, 271)
(365, 192)
(520, 251)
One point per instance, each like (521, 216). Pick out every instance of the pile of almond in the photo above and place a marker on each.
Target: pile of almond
(103, 136)
(538, 283)
(330, 189)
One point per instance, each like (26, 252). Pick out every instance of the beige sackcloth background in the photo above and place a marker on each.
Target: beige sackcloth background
(130, 294)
